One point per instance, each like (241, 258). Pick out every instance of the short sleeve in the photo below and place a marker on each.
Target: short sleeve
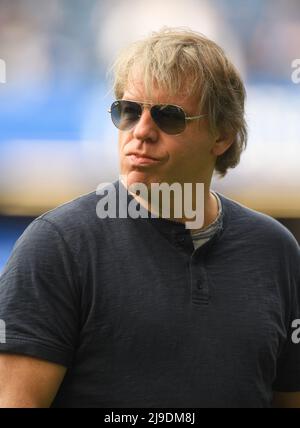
(39, 296)
(288, 365)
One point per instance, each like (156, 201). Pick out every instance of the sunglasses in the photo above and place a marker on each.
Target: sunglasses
(169, 118)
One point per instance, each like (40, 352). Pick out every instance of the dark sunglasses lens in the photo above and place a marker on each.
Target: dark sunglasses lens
(125, 114)
(170, 119)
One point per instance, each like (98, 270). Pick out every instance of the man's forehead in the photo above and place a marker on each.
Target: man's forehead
(156, 94)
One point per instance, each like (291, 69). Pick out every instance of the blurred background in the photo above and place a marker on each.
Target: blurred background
(56, 138)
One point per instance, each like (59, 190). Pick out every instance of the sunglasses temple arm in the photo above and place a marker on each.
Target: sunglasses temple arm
(195, 117)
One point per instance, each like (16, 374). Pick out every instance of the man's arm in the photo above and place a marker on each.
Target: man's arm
(286, 399)
(28, 382)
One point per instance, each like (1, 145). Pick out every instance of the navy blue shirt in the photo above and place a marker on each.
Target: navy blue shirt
(141, 319)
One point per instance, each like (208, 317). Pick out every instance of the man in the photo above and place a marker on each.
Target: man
(146, 312)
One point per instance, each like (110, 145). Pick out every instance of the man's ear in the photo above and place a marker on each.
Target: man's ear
(222, 143)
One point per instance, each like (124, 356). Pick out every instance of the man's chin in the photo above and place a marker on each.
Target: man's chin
(135, 177)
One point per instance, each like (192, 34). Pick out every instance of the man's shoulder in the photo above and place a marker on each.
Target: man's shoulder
(76, 210)
(64, 225)
(73, 225)
(249, 223)
(78, 213)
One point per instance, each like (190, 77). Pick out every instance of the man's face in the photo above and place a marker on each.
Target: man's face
(183, 158)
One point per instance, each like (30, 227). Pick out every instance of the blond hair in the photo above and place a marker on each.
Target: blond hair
(176, 59)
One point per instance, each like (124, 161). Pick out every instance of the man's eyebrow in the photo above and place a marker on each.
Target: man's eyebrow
(137, 100)
(166, 103)
(151, 103)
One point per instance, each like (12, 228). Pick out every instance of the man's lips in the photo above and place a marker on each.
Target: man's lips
(142, 159)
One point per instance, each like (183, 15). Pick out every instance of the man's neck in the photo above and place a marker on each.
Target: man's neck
(210, 209)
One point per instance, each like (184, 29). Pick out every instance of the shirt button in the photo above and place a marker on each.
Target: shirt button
(199, 284)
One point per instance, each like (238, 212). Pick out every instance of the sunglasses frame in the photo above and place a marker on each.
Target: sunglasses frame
(150, 105)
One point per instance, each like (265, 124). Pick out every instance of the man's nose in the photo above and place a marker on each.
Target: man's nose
(145, 129)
